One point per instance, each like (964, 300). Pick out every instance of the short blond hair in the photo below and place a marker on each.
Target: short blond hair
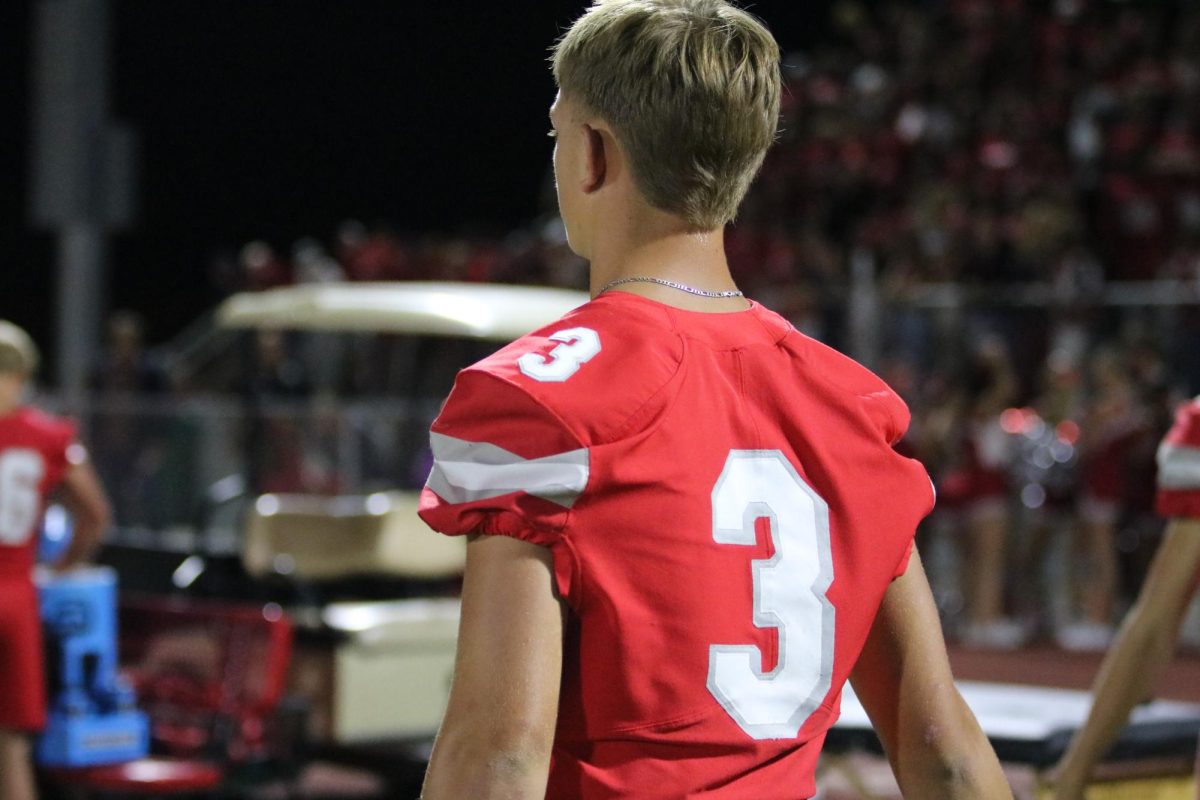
(691, 89)
(18, 353)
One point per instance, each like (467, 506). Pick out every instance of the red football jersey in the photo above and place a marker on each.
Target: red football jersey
(725, 512)
(34, 454)
(1179, 465)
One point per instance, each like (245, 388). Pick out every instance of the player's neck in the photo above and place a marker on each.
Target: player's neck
(671, 252)
(12, 390)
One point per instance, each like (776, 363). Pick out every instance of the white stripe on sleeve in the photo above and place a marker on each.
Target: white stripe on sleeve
(464, 472)
(1178, 467)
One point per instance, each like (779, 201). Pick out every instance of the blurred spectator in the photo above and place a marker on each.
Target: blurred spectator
(126, 368)
(127, 441)
(262, 268)
(372, 255)
(1111, 424)
(974, 483)
(273, 442)
(314, 264)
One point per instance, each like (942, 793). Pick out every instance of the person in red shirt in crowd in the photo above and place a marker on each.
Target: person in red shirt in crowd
(1112, 423)
(687, 523)
(1144, 645)
(38, 452)
(263, 268)
(378, 255)
(991, 388)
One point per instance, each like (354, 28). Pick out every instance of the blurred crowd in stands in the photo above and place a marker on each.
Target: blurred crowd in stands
(967, 143)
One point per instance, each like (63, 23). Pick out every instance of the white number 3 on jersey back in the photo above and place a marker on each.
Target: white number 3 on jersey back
(578, 347)
(789, 595)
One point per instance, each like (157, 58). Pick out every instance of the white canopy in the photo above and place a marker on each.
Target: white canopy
(476, 310)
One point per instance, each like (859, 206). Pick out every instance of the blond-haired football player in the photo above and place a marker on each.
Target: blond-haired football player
(38, 452)
(687, 524)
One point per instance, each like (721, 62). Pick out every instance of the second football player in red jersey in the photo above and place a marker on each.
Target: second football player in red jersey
(38, 452)
(1144, 646)
(688, 525)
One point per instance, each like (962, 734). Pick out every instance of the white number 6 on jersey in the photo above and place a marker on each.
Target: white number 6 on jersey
(578, 346)
(21, 471)
(789, 595)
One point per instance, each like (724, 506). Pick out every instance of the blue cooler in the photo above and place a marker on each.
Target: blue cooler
(92, 716)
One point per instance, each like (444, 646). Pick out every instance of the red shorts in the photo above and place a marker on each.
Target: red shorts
(22, 683)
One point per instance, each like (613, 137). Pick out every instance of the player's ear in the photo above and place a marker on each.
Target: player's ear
(595, 159)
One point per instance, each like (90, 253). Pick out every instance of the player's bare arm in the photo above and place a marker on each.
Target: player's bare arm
(1142, 649)
(84, 497)
(16, 777)
(497, 734)
(903, 679)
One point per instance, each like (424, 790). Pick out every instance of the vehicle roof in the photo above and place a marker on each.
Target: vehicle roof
(474, 310)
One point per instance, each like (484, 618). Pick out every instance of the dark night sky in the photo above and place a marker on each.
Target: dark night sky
(278, 119)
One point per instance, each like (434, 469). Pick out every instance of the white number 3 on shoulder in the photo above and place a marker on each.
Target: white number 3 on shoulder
(578, 346)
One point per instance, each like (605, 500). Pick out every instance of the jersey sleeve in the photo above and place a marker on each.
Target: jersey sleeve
(891, 418)
(503, 464)
(889, 414)
(60, 448)
(1179, 465)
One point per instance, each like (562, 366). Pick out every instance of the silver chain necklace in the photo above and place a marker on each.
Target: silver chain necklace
(671, 284)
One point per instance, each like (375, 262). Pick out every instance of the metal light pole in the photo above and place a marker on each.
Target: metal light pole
(82, 168)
